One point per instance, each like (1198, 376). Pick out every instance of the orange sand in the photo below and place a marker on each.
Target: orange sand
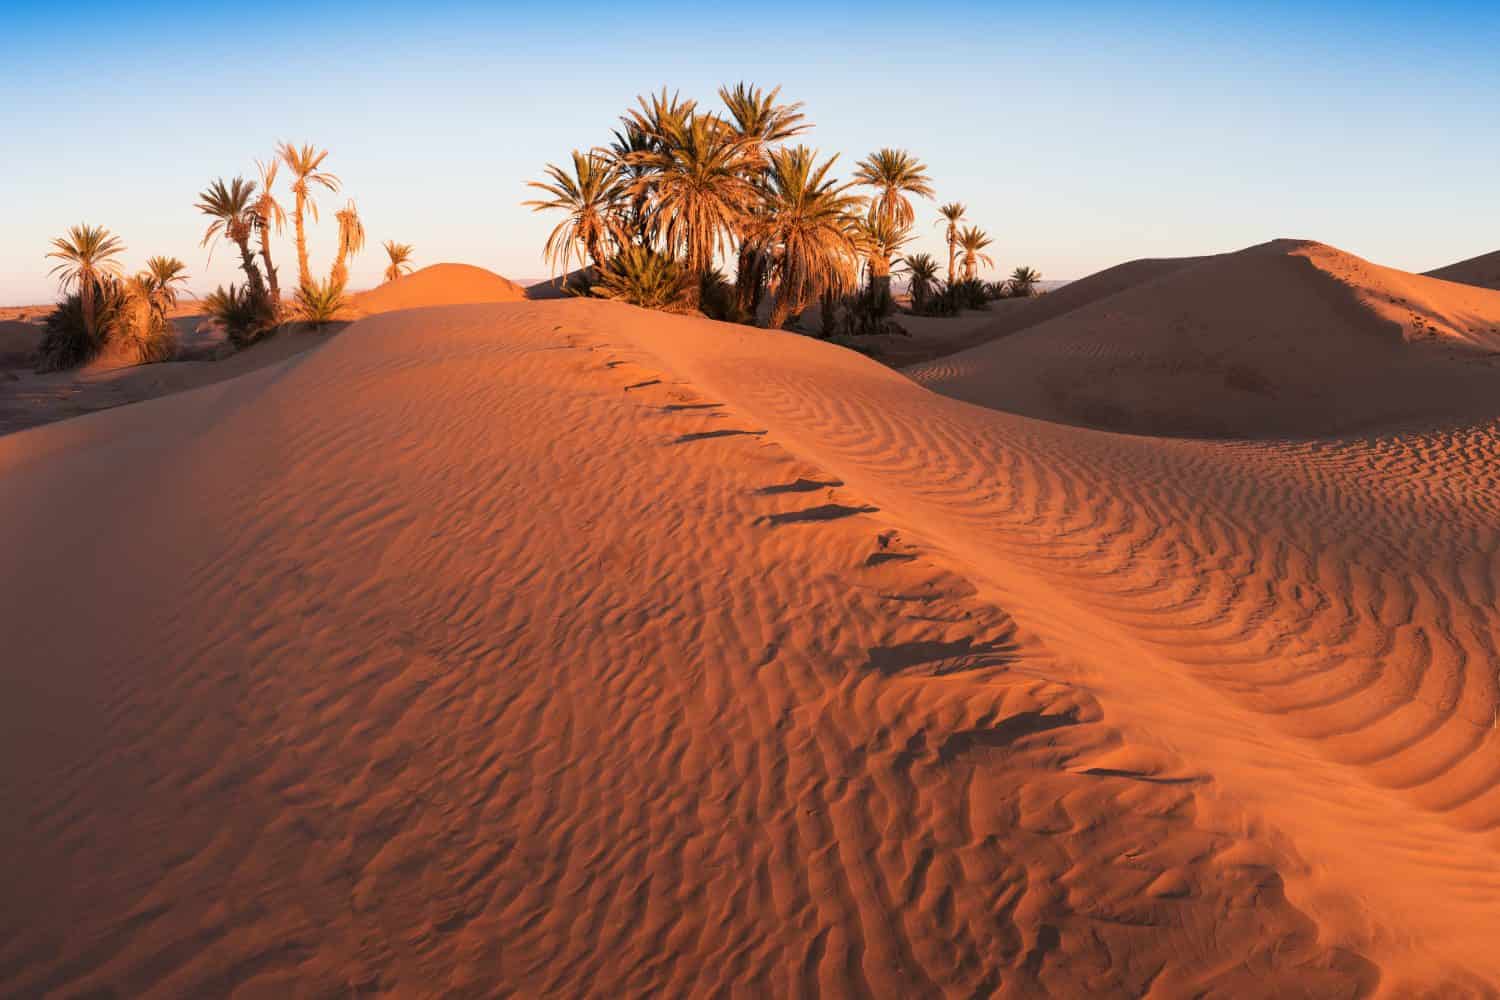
(563, 648)
(438, 284)
(1483, 271)
(1287, 338)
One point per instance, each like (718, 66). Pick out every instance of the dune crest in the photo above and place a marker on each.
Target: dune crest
(1483, 271)
(572, 648)
(1288, 338)
(438, 285)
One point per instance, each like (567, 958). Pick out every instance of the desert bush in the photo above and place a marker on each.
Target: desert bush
(645, 278)
(996, 290)
(717, 298)
(246, 317)
(319, 302)
(1023, 282)
(863, 314)
(66, 343)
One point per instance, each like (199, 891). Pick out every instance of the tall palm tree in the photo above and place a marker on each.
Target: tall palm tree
(973, 241)
(232, 208)
(351, 241)
(592, 198)
(760, 122)
(87, 254)
(1023, 281)
(922, 275)
(400, 255)
(305, 163)
(953, 213)
(698, 180)
(805, 225)
(895, 173)
(882, 240)
(636, 211)
(269, 215)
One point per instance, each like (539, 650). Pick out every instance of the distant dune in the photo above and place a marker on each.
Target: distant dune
(438, 285)
(1483, 271)
(565, 648)
(1289, 338)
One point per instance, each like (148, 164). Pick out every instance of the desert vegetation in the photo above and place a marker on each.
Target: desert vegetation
(102, 306)
(683, 189)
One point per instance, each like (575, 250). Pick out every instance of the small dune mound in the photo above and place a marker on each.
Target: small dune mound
(1288, 338)
(557, 288)
(1483, 271)
(439, 285)
(18, 343)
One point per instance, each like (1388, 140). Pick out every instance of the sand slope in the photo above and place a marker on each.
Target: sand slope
(566, 648)
(1287, 338)
(1483, 271)
(438, 285)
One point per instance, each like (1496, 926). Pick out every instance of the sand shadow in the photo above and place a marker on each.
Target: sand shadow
(972, 656)
(706, 435)
(823, 512)
(800, 486)
(1003, 733)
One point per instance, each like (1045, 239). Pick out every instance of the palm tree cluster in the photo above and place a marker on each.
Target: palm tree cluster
(682, 187)
(243, 210)
(102, 306)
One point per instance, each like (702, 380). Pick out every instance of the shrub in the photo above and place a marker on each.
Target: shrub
(246, 317)
(717, 299)
(645, 278)
(67, 343)
(863, 314)
(1023, 282)
(319, 302)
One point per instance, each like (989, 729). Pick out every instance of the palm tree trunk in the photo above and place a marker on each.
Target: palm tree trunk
(303, 273)
(86, 301)
(952, 253)
(265, 253)
(880, 281)
(252, 273)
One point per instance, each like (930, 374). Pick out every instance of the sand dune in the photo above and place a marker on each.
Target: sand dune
(18, 342)
(1288, 338)
(438, 285)
(1483, 271)
(564, 648)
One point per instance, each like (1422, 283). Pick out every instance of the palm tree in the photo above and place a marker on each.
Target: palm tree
(953, 213)
(269, 215)
(305, 162)
(805, 224)
(922, 276)
(973, 241)
(882, 239)
(895, 173)
(592, 197)
(700, 188)
(232, 207)
(400, 255)
(759, 121)
(351, 241)
(1023, 281)
(165, 273)
(87, 254)
(636, 212)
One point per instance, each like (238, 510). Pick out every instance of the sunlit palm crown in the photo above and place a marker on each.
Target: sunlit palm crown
(698, 178)
(895, 173)
(591, 198)
(165, 273)
(231, 206)
(86, 254)
(806, 223)
(758, 118)
(400, 257)
(882, 235)
(973, 241)
(268, 211)
(921, 267)
(305, 162)
(351, 230)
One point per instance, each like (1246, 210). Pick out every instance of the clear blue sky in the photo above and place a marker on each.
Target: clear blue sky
(1080, 135)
